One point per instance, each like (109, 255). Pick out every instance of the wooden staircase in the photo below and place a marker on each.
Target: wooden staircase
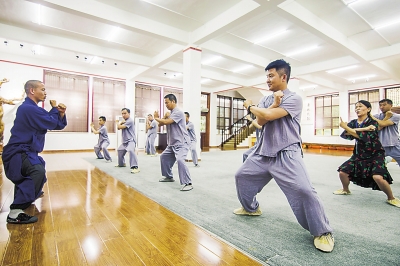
(235, 134)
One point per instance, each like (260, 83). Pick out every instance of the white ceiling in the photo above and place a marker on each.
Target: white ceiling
(143, 40)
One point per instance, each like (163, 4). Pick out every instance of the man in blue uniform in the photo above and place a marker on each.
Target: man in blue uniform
(22, 164)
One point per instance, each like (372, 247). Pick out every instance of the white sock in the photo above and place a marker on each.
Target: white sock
(14, 213)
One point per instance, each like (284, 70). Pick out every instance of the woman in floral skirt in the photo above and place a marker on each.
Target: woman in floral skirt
(366, 167)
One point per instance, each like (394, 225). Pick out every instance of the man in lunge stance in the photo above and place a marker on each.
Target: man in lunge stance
(278, 155)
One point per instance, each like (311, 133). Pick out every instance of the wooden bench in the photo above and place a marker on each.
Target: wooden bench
(328, 146)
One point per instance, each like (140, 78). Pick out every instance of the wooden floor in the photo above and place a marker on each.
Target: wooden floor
(86, 217)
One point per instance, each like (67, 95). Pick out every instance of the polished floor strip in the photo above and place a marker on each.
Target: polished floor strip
(87, 217)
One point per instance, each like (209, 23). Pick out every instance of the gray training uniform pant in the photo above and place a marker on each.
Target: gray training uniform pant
(168, 158)
(123, 149)
(289, 172)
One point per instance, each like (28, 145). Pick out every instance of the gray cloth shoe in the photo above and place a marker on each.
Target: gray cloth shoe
(166, 180)
(186, 187)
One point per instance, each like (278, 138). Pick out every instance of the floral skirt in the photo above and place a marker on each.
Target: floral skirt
(361, 170)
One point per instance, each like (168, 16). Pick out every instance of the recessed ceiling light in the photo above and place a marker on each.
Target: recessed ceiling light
(362, 77)
(310, 87)
(301, 51)
(211, 60)
(269, 37)
(341, 69)
(242, 68)
(387, 24)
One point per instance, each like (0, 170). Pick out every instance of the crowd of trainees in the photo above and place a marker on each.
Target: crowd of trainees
(129, 142)
(277, 154)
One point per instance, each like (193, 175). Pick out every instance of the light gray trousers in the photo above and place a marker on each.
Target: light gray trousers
(289, 172)
(123, 149)
(150, 147)
(195, 159)
(173, 154)
(102, 147)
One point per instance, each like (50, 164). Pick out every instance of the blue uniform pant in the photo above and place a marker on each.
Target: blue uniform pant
(174, 154)
(289, 172)
(123, 149)
(102, 147)
(150, 148)
(31, 173)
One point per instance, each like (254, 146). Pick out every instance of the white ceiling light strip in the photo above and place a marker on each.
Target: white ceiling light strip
(350, 3)
(269, 37)
(366, 78)
(341, 69)
(240, 69)
(301, 51)
(211, 60)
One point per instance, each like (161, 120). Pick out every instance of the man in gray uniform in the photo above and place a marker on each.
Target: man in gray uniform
(178, 142)
(278, 155)
(193, 141)
(128, 142)
(151, 127)
(103, 142)
(389, 129)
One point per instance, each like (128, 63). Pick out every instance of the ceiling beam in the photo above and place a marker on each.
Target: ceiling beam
(218, 25)
(157, 61)
(82, 47)
(309, 21)
(121, 17)
(392, 71)
(234, 53)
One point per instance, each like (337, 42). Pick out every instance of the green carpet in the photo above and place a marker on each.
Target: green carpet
(367, 230)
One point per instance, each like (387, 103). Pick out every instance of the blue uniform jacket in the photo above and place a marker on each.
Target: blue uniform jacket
(28, 135)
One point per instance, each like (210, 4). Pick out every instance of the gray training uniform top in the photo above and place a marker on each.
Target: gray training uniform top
(128, 133)
(177, 134)
(103, 136)
(190, 129)
(389, 136)
(283, 133)
(153, 128)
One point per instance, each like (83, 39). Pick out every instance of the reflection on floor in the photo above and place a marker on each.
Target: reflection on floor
(87, 217)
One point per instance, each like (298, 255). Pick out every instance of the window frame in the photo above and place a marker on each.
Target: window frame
(320, 127)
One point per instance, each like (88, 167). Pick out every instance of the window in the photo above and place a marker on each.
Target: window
(238, 109)
(224, 104)
(147, 100)
(108, 100)
(372, 96)
(394, 95)
(327, 115)
(73, 91)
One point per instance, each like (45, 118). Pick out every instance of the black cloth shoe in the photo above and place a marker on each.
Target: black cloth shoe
(22, 218)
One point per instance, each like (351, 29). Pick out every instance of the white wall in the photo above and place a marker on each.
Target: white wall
(19, 73)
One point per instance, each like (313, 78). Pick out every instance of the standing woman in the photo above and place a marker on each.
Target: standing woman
(366, 167)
